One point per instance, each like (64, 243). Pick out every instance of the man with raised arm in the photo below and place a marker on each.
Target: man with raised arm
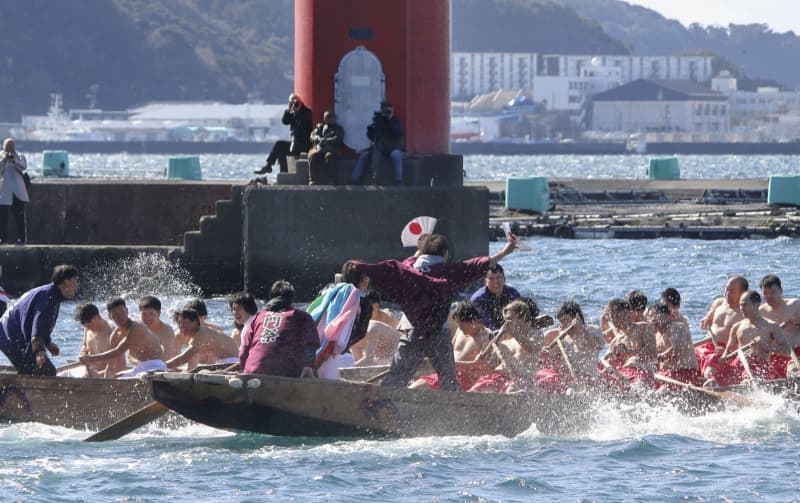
(132, 337)
(26, 328)
(206, 346)
(424, 286)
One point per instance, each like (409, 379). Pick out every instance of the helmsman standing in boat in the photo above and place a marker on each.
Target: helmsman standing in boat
(26, 328)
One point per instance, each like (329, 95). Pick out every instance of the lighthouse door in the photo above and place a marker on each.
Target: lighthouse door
(360, 86)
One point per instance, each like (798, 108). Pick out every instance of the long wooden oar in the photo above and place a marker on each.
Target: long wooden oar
(745, 364)
(723, 395)
(616, 372)
(566, 359)
(704, 340)
(378, 376)
(746, 347)
(130, 423)
(69, 366)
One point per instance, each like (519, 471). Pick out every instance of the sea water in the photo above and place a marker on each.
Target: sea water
(638, 454)
(476, 167)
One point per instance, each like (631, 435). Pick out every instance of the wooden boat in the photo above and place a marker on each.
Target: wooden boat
(309, 407)
(79, 403)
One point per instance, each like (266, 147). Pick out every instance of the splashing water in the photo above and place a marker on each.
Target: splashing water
(134, 277)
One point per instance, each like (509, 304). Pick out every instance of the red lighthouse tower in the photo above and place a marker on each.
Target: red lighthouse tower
(351, 54)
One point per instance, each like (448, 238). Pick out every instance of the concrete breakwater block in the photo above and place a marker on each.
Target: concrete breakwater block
(184, 168)
(528, 194)
(55, 163)
(665, 168)
(784, 190)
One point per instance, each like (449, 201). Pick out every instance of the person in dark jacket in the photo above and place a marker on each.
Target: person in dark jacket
(26, 329)
(298, 117)
(326, 142)
(282, 340)
(387, 135)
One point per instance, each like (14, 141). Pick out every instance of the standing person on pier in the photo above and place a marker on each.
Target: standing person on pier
(424, 286)
(13, 191)
(26, 329)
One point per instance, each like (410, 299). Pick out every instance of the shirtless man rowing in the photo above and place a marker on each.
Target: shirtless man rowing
(632, 350)
(720, 319)
(786, 313)
(470, 339)
(516, 357)
(206, 346)
(97, 339)
(582, 344)
(131, 337)
(676, 358)
(150, 313)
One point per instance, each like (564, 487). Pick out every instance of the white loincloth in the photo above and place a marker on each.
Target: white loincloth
(330, 369)
(232, 359)
(78, 372)
(143, 368)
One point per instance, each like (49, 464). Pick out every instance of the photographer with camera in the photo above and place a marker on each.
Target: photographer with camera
(298, 117)
(13, 191)
(387, 134)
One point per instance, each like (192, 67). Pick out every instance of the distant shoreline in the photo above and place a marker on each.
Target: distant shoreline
(463, 148)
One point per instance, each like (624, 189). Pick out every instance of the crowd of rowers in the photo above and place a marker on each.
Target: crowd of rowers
(498, 341)
(647, 345)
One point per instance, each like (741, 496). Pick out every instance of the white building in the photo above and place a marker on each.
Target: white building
(564, 81)
(762, 101)
(660, 106)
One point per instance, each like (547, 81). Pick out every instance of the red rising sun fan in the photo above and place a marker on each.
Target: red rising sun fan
(416, 228)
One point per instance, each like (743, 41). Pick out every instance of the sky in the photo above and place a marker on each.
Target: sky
(780, 15)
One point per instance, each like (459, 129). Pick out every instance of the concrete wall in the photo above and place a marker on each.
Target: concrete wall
(118, 212)
(305, 234)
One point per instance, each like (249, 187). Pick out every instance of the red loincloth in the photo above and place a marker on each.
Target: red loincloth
(704, 352)
(552, 381)
(637, 375)
(778, 364)
(495, 381)
(727, 373)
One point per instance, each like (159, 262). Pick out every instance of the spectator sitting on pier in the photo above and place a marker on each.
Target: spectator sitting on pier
(387, 134)
(13, 190)
(97, 339)
(298, 117)
(326, 140)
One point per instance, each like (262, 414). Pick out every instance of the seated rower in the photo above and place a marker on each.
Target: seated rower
(206, 346)
(471, 338)
(632, 350)
(150, 313)
(638, 301)
(283, 341)
(719, 321)
(131, 337)
(97, 339)
(582, 344)
(676, 358)
(202, 311)
(515, 357)
(380, 343)
(244, 309)
(672, 298)
(767, 338)
(784, 312)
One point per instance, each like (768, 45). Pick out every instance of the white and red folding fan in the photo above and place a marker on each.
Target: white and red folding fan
(416, 228)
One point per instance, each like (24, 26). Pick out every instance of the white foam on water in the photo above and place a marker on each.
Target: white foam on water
(770, 416)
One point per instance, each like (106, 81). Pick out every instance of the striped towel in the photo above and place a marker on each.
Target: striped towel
(334, 312)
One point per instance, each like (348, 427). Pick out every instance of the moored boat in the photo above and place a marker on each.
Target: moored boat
(79, 403)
